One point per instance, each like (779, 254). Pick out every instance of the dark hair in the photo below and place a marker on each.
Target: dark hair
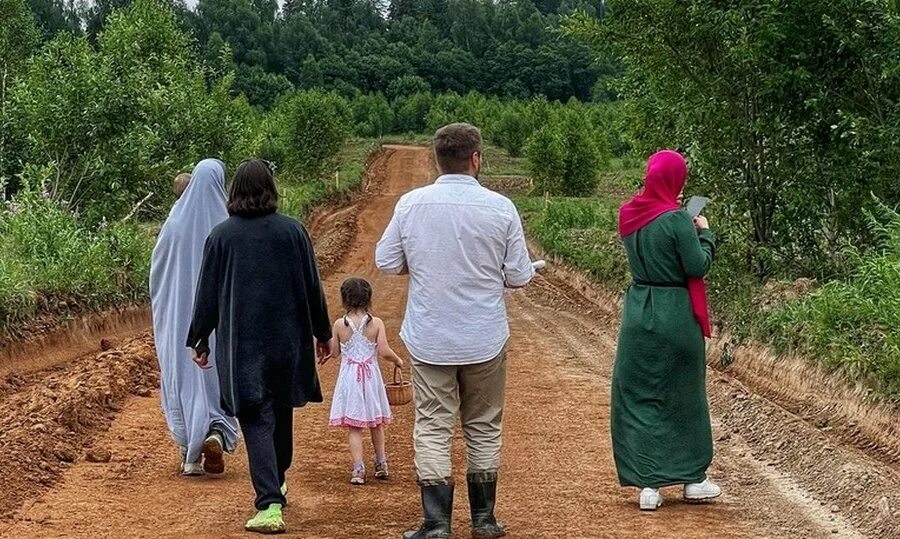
(253, 192)
(356, 294)
(454, 145)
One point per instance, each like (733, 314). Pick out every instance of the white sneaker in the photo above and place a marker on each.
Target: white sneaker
(191, 469)
(698, 492)
(650, 499)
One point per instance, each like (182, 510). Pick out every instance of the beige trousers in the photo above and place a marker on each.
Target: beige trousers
(475, 393)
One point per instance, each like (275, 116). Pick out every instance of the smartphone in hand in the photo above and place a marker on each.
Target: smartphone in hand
(696, 205)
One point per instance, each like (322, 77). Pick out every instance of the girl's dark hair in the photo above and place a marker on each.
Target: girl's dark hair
(253, 192)
(356, 294)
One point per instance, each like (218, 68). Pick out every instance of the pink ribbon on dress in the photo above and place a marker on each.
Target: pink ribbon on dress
(363, 369)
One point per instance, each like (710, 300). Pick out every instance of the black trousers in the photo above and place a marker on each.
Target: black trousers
(269, 436)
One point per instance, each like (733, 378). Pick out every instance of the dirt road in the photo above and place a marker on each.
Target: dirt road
(557, 479)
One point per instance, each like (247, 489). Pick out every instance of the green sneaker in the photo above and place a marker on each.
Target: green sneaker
(269, 521)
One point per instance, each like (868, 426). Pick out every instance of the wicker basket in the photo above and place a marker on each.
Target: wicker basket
(399, 392)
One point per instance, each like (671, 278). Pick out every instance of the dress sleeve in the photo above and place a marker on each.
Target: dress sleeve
(318, 307)
(696, 249)
(206, 300)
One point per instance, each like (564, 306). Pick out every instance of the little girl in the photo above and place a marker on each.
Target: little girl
(360, 401)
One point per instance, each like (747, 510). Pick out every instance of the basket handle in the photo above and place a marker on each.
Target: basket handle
(398, 375)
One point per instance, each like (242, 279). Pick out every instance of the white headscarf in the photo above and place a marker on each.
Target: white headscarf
(190, 396)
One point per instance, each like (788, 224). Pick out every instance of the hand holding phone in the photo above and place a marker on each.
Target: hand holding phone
(696, 205)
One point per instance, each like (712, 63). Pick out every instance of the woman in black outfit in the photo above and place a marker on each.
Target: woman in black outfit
(259, 290)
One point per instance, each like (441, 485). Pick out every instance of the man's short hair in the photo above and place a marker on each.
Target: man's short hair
(181, 183)
(454, 145)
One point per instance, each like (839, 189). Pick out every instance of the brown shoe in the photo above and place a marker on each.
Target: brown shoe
(213, 454)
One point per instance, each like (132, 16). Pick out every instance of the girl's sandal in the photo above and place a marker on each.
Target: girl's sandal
(358, 477)
(381, 471)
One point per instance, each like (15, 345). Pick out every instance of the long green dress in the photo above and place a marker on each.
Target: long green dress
(660, 416)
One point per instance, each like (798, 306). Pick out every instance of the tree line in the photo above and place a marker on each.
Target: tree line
(100, 121)
(507, 49)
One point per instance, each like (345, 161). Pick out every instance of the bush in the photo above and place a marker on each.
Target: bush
(407, 86)
(582, 155)
(564, 156)
(259, 86)
(312, 128)
(512, 130)
(610, 122)
(852, 325)
(546, 156)
(18, 36)
(372, 116)
(51, 263)
(117, 121)
(412, 113)
(17, 299)
(444, 109)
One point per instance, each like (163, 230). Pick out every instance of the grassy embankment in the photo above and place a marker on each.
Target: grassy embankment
(51, 263)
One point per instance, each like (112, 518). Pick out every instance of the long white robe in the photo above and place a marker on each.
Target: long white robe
(190, 395)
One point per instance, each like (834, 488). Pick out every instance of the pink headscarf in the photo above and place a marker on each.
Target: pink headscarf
(665, 178)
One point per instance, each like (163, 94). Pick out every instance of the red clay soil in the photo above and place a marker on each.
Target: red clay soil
(558, 478)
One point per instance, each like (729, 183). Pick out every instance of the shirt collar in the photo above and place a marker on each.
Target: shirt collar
(457, 178)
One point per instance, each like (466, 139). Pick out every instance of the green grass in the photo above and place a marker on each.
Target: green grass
(51, 263)
(300, 196)
(581, 231)
(497, 162)
(851, 325)
(409, 138)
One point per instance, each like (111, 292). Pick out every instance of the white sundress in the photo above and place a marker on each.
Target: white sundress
(360, 400)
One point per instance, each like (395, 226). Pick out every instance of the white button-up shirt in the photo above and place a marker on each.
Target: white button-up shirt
(461, 244)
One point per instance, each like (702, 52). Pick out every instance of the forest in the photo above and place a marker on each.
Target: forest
(788, 112)
(506, 49)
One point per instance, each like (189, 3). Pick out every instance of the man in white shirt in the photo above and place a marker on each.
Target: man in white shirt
(462, 245)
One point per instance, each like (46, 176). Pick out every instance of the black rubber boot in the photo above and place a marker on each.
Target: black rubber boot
(437, 506)
(482, 498)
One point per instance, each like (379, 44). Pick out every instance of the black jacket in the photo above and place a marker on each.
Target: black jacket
(259, 289)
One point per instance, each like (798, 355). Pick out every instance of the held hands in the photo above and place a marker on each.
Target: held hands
(701, 223)
(323, 351)
(201, 358)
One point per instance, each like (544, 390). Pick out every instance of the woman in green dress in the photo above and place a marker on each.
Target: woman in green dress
(660, 416)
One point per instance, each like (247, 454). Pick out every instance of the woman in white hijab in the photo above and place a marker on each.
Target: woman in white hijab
(190, 396)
